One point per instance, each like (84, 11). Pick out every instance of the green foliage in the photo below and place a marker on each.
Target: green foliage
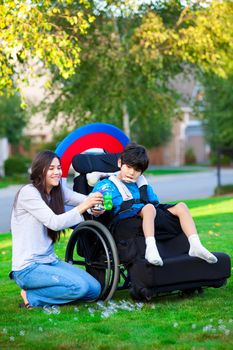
(13, 180)
(12, 118)
(128, 60)
(216, 109)
(190, 157)
(16, 165)
(223, 159)
(110, 85)
(168, 322)
(47, 31)
(126, 52)
(223, 190)
(201, 35)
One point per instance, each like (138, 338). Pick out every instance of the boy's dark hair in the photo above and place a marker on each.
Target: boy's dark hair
(135, 156)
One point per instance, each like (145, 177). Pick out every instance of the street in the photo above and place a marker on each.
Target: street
(168, 187)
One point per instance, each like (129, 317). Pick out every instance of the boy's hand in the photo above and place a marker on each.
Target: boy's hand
(97, 212)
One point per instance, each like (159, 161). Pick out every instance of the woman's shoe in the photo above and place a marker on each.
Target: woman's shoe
(25, 306)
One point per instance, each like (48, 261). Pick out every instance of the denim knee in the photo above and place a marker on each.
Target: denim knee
(87, 290)
(96, 290)
(79, 290)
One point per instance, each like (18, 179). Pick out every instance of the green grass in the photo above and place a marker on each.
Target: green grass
(173, 171)
(13, 180)
(169, 322)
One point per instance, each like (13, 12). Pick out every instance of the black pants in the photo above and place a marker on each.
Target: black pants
(167, 225)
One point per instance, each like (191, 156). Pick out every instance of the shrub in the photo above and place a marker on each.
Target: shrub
(224, 159)
(16, 165)
(224, 189)
(190, 157)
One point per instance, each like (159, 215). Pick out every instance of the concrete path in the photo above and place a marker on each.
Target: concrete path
(168, 187)
(189, 186)
(6, 203)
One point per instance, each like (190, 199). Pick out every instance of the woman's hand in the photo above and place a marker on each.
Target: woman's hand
(90, 201)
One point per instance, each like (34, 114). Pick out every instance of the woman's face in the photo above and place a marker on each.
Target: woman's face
(53, 175)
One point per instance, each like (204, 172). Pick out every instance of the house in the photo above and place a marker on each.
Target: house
(187, 132)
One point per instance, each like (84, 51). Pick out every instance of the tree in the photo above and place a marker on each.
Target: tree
(12, 119)
(201, 35)
(216, 109)
(46, 30)
(128, 60)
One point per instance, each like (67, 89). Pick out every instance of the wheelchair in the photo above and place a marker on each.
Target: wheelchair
(93, 245)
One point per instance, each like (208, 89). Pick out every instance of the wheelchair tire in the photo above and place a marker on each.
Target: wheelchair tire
(91, 245)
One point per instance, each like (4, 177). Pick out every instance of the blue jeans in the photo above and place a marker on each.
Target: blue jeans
(56, 283)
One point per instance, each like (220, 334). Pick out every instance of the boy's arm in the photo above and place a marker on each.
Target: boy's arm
(152, 196)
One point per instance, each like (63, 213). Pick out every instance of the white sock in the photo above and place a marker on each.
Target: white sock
(152, 253)
(197, 249)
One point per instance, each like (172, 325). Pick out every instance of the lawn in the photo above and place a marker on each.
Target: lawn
(170, 322)
(175, 170)
(13, 180)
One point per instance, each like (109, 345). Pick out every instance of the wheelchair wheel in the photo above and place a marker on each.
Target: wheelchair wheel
(91, 245)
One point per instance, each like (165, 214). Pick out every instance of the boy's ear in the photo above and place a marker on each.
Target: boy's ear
(119, 163)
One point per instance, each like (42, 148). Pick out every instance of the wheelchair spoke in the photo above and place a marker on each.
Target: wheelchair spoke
(91, 245)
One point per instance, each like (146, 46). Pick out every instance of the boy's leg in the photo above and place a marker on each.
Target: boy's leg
(189, 228)
(148, 214)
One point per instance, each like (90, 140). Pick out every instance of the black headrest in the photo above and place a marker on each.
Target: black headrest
(87, 162)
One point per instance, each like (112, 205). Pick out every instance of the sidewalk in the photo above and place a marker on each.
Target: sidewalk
(7, 196)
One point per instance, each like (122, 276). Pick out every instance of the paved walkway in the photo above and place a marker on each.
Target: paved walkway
(168, 187)
(189, 186)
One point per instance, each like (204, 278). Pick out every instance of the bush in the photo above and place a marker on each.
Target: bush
(16, 165)
(190, 157)
(224, 189)
(224, 159)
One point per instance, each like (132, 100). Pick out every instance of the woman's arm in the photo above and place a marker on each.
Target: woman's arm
(71, 197)
(30, 200)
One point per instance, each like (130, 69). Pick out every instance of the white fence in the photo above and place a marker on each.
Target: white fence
(4, 154)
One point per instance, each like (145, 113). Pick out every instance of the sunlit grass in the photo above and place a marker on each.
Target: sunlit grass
(169, 322)
(214, 208)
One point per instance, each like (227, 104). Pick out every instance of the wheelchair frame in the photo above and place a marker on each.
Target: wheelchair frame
(110, 266)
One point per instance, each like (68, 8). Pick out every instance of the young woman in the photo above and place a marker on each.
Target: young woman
(37, 218)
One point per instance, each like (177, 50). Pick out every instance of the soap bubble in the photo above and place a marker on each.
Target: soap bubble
(91, 311)
(47, 309)
(55, 310)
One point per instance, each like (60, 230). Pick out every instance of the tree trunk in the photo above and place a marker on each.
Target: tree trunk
(126, 126)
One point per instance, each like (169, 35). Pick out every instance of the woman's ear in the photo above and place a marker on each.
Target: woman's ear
(119, 163)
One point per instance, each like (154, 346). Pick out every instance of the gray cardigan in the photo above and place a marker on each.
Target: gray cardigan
(29, 221)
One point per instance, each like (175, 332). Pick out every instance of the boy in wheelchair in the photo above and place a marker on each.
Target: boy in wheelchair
(133, 197)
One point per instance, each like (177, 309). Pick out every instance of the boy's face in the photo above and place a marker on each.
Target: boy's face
(128, 173)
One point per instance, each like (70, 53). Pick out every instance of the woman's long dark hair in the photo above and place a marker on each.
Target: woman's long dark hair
(39, 168)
